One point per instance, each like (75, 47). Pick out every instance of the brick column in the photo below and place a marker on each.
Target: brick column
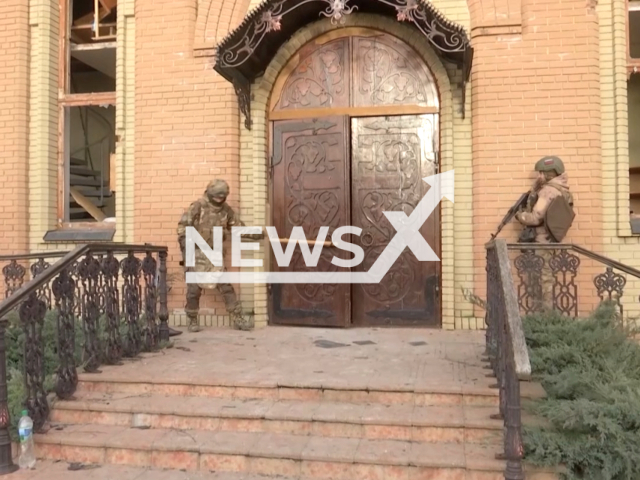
(536, 92)
(14, 122)
(187, 129)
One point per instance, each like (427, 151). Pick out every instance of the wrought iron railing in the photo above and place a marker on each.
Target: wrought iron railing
(507, 352)
(528, 278)
(118, 300)
(569, 279)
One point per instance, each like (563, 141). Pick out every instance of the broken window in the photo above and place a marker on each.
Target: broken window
(87, 111)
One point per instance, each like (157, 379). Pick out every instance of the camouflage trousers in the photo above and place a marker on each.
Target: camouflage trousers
(234, 309)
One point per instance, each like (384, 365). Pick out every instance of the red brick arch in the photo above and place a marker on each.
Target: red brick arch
(216, 18)
(494, 13)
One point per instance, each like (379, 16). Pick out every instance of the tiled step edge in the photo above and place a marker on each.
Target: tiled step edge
(266, 453)
(425, 424)
(469, 395)
(50, 470)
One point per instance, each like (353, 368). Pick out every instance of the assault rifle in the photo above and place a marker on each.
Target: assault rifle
(519, 205)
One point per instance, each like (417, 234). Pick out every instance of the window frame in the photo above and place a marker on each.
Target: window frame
(633, 64)
(66, 100)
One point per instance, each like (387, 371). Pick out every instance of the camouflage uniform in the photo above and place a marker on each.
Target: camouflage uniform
(553, 185)
(204, 214)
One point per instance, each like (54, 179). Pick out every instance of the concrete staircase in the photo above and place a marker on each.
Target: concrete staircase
(278, 432)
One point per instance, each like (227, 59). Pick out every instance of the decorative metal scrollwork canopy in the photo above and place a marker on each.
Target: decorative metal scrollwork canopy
(244, 54)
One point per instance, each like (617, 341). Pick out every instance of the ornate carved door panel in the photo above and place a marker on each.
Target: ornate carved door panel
(310, 189)
(389, 158)
(321, 78)
(387, 72)
(337, 171)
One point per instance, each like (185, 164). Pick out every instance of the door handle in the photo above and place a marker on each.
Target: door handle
(310, 242)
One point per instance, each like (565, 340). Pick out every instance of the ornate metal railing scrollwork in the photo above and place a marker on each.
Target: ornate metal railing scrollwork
(163, 314)
(13, 277)
(507, 351)
(547, 278)
(110, 272)
(150, 334)
(83, 291)
(32, 313)
(610, 286)
(89, 276)
(131, 303)
(64, 288)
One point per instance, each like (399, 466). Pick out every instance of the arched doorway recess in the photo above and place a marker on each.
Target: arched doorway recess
(354, 128)
(253, 58)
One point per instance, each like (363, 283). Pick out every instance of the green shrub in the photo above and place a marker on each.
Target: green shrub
(15, 338)
(590, 369)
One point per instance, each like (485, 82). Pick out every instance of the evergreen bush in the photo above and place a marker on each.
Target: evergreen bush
(590, 369)
(15, 338)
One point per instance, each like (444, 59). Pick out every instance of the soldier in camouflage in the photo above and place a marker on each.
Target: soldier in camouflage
(211, 210)
(551, 182)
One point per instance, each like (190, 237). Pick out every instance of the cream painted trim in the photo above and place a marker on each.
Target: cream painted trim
(621, 120)
(43, 121)
(255, 142)
(614, 122)
(618, 242)
(125, 121)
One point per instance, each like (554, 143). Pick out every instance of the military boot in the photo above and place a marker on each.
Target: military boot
(239, 321)
(194, 323)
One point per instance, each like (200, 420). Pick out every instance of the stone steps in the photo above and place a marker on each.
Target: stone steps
(269, 454)
(275, 403)
(433, 395)
(50, 470)
(450, 423)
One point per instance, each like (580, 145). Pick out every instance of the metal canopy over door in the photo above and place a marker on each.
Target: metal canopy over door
(310, 190)
(389, 158)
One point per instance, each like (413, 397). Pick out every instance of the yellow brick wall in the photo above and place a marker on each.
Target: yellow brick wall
(619, 243)
(455, 151)
(14, 125)
(43, 124)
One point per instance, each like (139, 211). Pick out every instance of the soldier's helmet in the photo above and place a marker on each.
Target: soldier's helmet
(550, 164)
(217, 187)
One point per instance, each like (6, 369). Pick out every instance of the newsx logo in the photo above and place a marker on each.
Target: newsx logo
(407, 235)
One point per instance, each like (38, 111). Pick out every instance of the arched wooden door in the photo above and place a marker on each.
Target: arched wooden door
(354, 130)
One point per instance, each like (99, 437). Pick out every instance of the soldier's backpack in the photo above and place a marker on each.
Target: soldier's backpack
(559, 216)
